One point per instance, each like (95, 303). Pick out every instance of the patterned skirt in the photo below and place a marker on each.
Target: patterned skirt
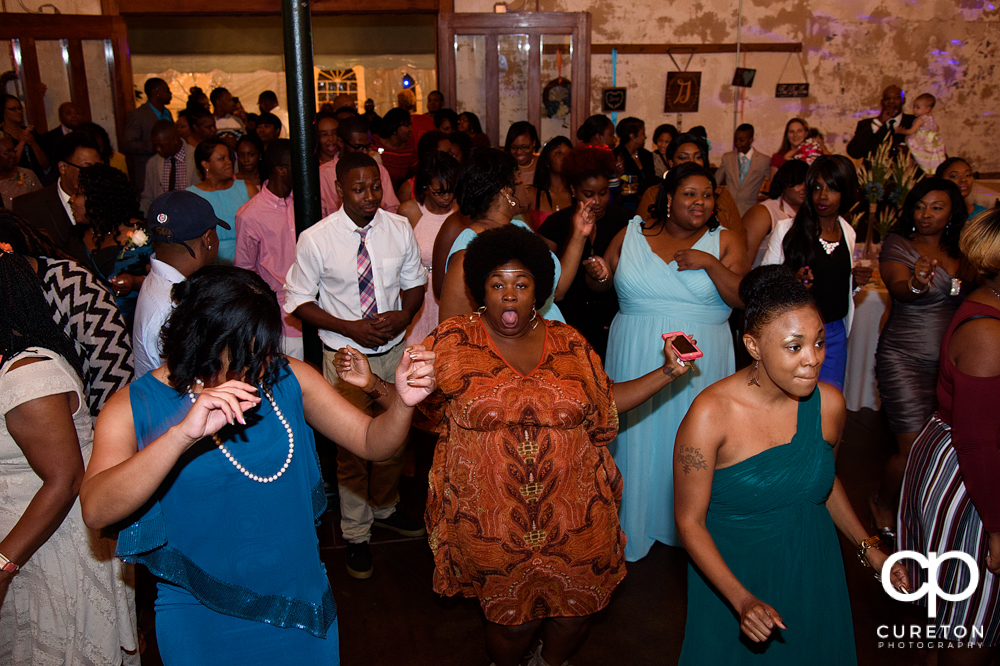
(937, 515)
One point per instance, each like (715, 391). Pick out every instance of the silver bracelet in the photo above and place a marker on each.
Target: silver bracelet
(918, 292)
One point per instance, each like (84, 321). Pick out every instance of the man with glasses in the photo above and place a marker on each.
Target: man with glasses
(355, 137)
(265, 236)
(48, 209)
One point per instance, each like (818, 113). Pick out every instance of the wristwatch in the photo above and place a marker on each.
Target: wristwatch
(7, 565)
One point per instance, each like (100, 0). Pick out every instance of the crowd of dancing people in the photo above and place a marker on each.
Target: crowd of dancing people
(533, 305)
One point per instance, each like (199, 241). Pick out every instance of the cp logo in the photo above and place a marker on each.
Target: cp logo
(930, 589)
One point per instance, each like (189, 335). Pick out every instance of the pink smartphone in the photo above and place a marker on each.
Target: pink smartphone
(686, 350)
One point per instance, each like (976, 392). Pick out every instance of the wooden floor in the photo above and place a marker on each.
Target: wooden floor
(394, 618)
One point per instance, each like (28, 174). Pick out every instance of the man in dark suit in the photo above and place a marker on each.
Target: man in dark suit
(69, 120)
(48, 209)
(138, 144)
(743, 170)
(871, 132)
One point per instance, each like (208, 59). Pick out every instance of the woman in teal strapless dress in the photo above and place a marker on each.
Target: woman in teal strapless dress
(757, 499)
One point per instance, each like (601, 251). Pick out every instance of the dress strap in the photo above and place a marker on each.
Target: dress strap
(810, 416)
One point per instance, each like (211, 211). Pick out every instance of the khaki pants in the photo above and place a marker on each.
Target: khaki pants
(368, 490)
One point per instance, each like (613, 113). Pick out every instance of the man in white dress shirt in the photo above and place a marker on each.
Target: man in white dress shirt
(267, 102)
(357, 277)
(181, 226)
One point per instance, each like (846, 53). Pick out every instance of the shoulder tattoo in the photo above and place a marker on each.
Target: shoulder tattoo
(692, 459)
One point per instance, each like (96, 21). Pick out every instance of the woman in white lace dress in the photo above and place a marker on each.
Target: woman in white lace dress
(63, 599)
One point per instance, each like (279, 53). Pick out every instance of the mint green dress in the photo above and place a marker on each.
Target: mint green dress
(769, 520)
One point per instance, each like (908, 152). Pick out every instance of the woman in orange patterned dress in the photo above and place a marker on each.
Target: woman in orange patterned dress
(522, 510)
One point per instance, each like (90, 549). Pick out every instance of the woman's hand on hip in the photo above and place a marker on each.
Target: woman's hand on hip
(415, 379)
(214, 407)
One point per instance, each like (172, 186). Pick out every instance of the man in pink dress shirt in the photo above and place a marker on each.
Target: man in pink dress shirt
(265, 235)
(355, 136)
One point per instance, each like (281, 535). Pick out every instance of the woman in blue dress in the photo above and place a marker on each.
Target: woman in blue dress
(490, 193)
(679, 272)
(211, 463)
(219, 186)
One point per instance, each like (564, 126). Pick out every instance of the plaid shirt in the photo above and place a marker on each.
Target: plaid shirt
(181, 174)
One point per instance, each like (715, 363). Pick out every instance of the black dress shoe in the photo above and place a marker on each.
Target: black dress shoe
(400, 524)
(359, 560)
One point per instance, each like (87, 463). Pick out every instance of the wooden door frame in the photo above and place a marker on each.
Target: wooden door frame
(533, 24)
(29, 28)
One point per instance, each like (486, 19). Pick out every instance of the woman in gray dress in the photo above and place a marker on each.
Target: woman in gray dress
(927, 278)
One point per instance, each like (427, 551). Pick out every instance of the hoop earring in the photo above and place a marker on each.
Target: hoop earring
(755, 374)
(534, 318)
(477, 315)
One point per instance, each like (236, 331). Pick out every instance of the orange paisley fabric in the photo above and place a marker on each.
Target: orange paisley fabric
(522, 510)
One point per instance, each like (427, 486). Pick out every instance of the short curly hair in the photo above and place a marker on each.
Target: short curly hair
(111, 199)
(495, 247)
(769, 292)
(484, 174)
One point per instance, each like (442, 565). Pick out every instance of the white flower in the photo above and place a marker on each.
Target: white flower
(139, 238)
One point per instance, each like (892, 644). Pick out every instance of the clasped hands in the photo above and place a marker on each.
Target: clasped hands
(378, 330)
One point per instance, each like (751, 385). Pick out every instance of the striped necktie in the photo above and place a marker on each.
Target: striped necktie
(366, 280)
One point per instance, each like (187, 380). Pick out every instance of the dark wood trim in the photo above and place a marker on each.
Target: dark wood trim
(446, 62)
(272, 8)
(492, 89)
(54, 26)
(535, 79)
(446, 6)
(581, 73)
(745, 47)
(79, 92)
(35, 101)
(121, 76)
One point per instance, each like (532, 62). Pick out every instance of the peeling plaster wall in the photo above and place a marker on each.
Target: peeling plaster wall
(852, 50)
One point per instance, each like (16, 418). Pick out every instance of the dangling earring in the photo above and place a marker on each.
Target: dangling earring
(755, 374)
(512, 203)
(534, 318)
(477, 315)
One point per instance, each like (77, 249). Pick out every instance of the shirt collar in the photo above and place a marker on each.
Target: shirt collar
(274, 200)
(62, 193)
(344, 223)
(749, 153)
(164, 270)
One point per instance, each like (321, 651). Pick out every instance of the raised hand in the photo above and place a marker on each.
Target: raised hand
(674, 366)
(415, 378)
(583, 218)
(214, 407)
(805, 276)
(352, 367)
(597, 268)
(923, 272)
(758, 620)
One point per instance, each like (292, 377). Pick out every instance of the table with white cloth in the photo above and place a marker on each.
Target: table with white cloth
(871, 309)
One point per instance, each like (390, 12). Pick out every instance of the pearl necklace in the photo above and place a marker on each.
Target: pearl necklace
(829, 246)
(231, 458)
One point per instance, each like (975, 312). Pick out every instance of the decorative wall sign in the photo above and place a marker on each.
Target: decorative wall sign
(683, 92)
(613, 99)
(792, 90)
(743, 78)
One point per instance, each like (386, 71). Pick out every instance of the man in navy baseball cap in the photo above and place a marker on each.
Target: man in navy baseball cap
(182, 228)
(179, 216)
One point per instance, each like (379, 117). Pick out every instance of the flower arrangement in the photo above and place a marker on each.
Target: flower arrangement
(885, 179)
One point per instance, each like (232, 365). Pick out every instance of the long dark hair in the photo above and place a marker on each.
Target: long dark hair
(111, 200)
(27, 320)
(223, 309)
(672, 180)
(959, 213)
(790, 174)
(839, 175)
(543, 172)
(785, 145)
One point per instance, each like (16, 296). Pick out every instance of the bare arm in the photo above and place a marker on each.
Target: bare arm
(917, 124)
(455, 297)
(696, 448)
(726, 271)
(53, 452)
(757, 223)
(899, 277)
(629, 395)
(607, 266)
(449, 231)
(572, 254)
(409, 209)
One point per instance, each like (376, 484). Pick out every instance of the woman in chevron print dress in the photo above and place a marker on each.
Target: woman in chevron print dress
(949, 499)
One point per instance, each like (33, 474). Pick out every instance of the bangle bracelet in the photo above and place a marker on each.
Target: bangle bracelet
(380, 390)
(917, 291)
(863, 548)
(7, 565)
